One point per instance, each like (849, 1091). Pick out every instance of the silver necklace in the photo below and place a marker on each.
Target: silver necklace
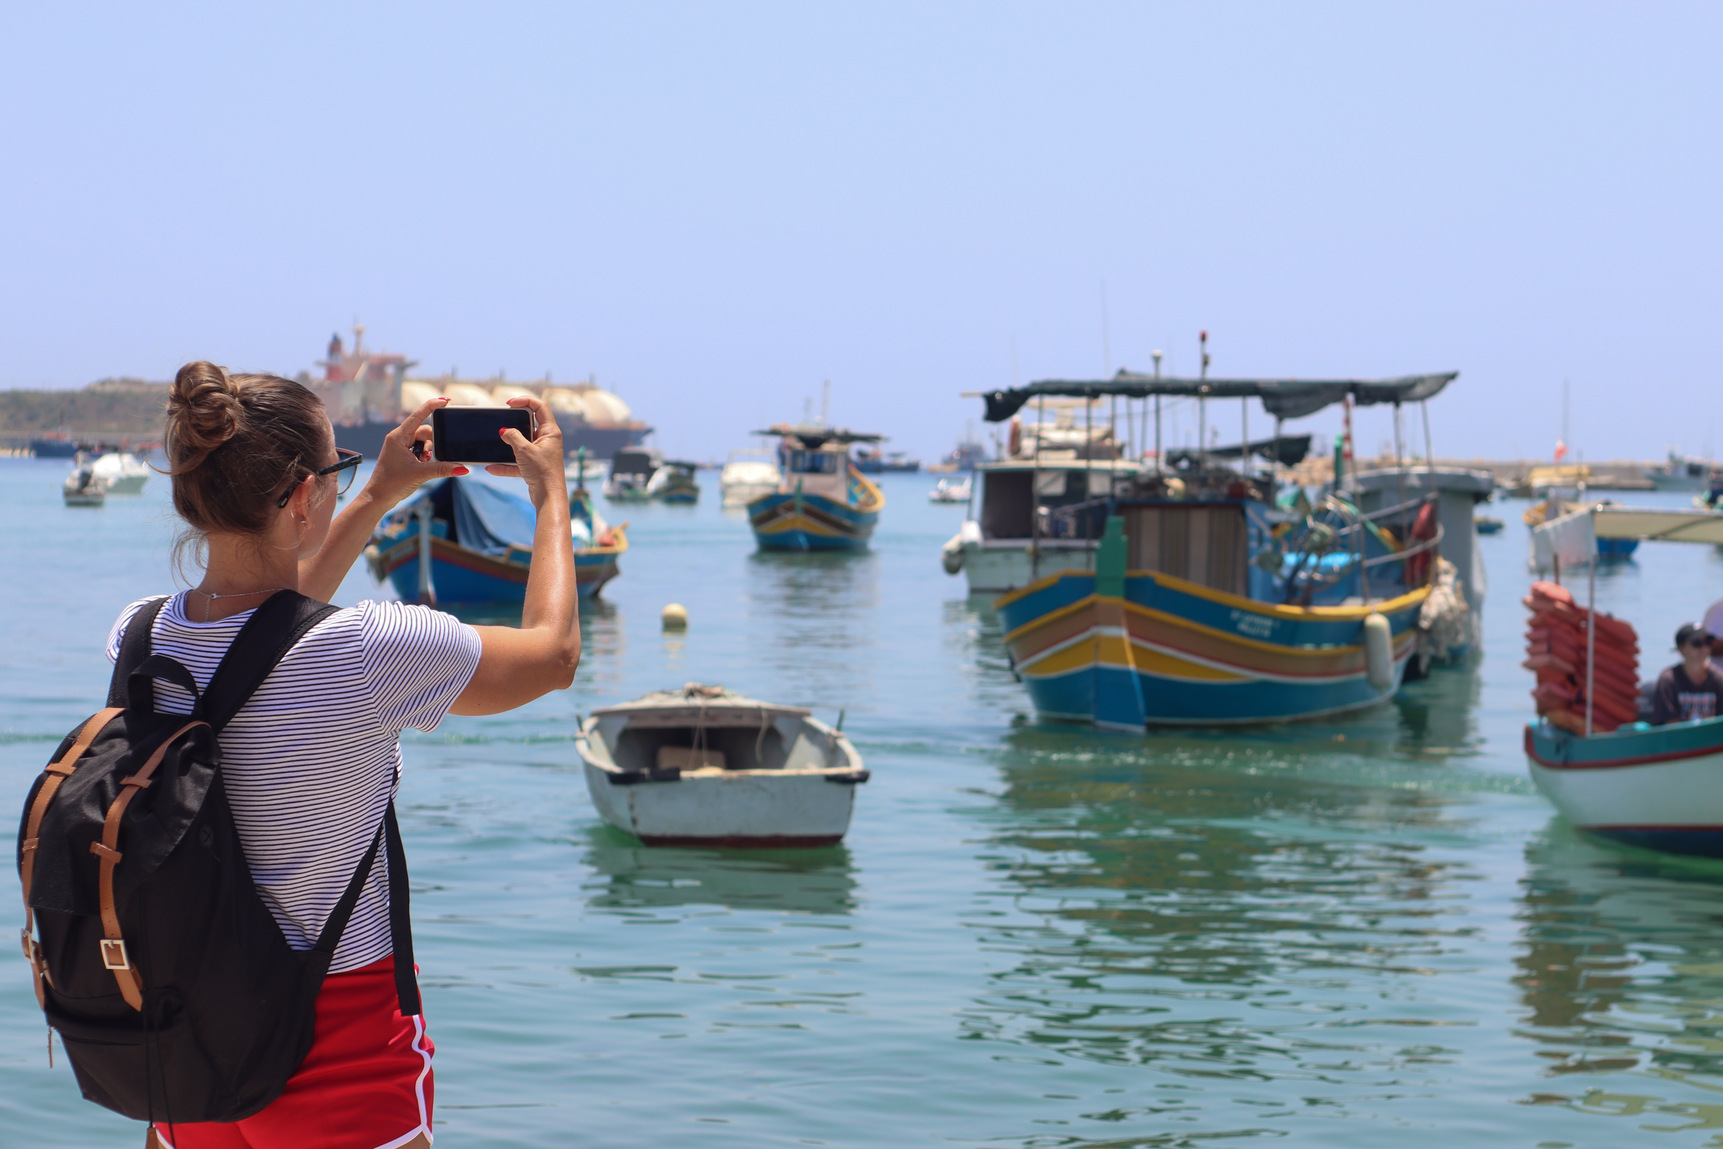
(211, 596)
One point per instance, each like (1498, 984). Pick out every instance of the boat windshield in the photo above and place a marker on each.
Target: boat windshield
(813, 462)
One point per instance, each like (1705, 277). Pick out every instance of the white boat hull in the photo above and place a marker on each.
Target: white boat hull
(726, 808)
(1660, 789)
(705, 766)
(995, 566)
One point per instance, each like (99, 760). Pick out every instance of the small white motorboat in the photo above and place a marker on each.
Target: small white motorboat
(705, 766)
(83, 487)
(950, 491)
(748, 475)
(124, 472)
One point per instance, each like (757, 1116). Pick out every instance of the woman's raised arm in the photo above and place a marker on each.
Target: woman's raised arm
(518, 665)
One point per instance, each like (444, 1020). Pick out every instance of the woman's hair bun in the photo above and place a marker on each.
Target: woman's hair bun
(204, 412)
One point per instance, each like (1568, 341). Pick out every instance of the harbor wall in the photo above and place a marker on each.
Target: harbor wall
(1610, 475)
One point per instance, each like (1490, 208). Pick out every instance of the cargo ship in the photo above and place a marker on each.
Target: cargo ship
(367, 393)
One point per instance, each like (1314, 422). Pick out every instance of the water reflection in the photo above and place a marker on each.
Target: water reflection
(818, 613)
(1204, 907)
(630, 876)
(1620, 969)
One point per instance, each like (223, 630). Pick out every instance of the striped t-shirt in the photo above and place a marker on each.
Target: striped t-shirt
(312, 760)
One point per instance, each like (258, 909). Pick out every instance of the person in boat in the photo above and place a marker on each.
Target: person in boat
(312, 762)
(1713, 624)
(1692, 689)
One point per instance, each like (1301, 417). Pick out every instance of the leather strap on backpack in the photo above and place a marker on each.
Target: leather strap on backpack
(134, 648)
(114, 955)
(54, 775)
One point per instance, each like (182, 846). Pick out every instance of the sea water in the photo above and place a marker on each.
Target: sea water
(1368, 931)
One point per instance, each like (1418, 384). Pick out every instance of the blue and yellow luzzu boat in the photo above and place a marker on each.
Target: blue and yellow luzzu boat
(1203, 603)
(479, 541)
(823, 502)
(1128, 649)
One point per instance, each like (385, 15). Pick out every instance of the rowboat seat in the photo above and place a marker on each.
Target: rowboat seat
(688, 758)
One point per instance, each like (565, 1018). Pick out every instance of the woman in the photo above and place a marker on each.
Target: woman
(312, 760)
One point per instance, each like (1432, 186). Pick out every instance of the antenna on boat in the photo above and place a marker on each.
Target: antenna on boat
(825, 403)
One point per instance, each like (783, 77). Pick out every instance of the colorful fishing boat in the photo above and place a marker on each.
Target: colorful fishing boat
(673, 482)
(464, 541)
(1653, 787)
(1204, 603)
(631, 471)
(822, 503)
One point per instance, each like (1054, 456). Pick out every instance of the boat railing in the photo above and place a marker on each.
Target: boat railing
(1347, 537)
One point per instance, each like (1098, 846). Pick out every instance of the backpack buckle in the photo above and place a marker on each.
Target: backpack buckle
(114, 954)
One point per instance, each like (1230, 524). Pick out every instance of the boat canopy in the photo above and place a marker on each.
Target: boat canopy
(1283, 398)
(1572, 538)
(814, 436)
(1288, 451)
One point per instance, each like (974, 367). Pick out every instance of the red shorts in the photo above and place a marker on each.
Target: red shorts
(366, 1084)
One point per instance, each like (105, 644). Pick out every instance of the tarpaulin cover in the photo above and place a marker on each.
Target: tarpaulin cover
(1288, 451)
(486, 519)
(1570, 540)
(1282, 398)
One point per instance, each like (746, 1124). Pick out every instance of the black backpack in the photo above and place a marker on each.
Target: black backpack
(173, 989)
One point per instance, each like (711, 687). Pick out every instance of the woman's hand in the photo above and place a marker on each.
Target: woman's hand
(399, 471)
(539, 462)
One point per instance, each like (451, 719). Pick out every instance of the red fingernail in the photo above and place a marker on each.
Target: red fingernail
(460, 471)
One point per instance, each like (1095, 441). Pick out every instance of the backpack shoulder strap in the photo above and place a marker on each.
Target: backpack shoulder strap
(262, 642)
(388, 836)
(134, 648)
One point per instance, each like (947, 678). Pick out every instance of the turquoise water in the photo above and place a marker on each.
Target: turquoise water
(1356, 933)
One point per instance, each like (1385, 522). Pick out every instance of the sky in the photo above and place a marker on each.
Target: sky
(714, 208)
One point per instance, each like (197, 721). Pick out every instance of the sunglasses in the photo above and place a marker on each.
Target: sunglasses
(345, 467)
(1702, 640)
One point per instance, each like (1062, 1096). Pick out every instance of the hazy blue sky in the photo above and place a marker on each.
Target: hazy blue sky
(714, 207)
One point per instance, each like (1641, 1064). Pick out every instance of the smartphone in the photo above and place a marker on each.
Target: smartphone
(473, 434)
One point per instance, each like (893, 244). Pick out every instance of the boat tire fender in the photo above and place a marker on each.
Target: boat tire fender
(1378, 651)
(850, 779)
(951, 555)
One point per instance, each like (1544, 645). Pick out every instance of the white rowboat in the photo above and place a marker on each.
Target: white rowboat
(705, 766)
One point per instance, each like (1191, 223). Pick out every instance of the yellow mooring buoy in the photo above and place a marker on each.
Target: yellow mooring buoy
(675, 617)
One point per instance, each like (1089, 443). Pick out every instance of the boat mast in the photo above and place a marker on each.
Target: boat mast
(1089, 471)
(1035, 496)
(1202, 405)
(1158, 457)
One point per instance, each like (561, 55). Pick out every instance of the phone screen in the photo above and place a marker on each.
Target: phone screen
(472, 434)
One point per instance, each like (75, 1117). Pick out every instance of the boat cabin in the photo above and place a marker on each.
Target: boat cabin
(636, 461)
(816, 459)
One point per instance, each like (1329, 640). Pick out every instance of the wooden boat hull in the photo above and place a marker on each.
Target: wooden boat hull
(1658, 788)
(460, 575)
(1171, 652)
(801, 522)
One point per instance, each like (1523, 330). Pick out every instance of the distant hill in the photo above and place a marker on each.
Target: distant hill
(108, 407)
